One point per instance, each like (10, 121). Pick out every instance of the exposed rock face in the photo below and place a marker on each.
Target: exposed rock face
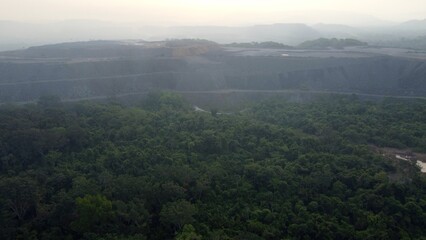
(117, 68)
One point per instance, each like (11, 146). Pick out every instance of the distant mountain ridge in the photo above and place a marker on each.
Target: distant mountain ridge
(15, 35)
(421, 22)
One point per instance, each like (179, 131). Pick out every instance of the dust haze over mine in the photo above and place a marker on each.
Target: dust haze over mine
(225, 68)
(287, 58)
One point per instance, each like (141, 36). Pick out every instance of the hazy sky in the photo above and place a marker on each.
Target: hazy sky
(201, 12)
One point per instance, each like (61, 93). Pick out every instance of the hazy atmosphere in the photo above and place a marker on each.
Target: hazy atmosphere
(212, 119)
(213, 12)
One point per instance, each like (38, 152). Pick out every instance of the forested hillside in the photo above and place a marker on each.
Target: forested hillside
(160, 170)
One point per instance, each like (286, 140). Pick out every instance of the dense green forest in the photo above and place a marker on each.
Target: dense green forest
(159, 170)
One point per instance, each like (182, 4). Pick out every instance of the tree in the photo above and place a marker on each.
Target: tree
(20, 196)
(93, 211)
(177, 213)
(188, 233)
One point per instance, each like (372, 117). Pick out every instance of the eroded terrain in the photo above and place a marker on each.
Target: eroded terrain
(103, 69)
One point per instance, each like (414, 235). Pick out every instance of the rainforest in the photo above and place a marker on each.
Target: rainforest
(275, 169)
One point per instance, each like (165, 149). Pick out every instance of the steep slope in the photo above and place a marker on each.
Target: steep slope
(108, 69)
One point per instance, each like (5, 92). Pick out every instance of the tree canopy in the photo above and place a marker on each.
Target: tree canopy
(280, 170)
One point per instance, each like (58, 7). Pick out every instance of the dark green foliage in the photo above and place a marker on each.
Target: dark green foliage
(188, 233)
(177, 213)
(277, 171)
(92, 211)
